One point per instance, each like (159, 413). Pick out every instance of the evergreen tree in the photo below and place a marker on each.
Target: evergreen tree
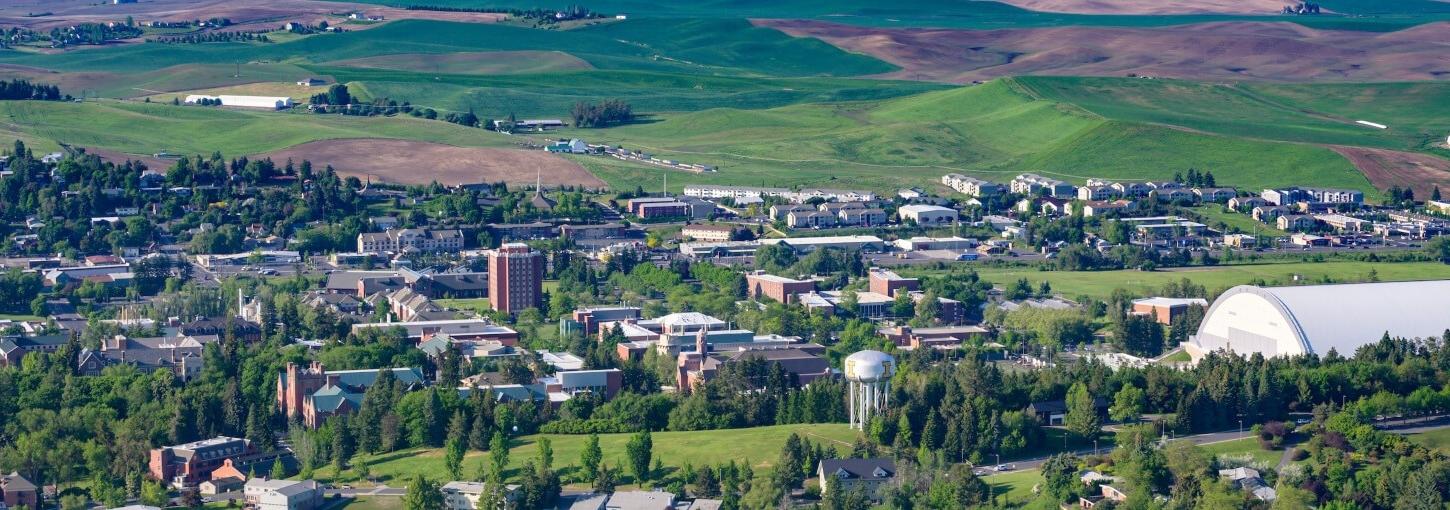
(1082, 413)
(640, 450)
(423, 494)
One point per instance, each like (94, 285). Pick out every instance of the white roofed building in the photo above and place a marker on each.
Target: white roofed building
(274, 103)
(1289, 321)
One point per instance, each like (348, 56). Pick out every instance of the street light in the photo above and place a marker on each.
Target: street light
(1095, 448)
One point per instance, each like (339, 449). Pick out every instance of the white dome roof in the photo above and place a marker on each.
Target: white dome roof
(870, 366)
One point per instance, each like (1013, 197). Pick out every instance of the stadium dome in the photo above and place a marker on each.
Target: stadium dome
(1288, 321)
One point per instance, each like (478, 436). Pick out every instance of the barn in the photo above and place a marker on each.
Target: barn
(1288, 321)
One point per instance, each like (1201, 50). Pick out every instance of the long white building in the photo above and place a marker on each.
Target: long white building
(274, 103)
(1289, 321)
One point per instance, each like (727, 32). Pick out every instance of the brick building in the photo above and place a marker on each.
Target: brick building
(515, 277)
(316, 394)
(191, 463)
(886, 283)
(779, 288)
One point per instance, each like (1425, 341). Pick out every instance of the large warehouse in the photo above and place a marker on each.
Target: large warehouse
(1286, 321)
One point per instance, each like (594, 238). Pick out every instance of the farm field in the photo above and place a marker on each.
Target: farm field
(1100, 284)
(674, 449)
(1317, 113)
(484, 63)
(417, 162)
(139, 128)
(989, 15)
(993, 131)
(298, 93)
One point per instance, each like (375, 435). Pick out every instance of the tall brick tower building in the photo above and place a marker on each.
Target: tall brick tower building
(515, 277)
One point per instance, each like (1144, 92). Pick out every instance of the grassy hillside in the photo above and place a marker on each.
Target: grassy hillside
(758, 446)
(993, 130)
(553, 94)
(139, 128)
(735, 47)
(1315, 113)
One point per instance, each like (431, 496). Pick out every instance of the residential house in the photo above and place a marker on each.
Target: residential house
(16, 491)
(1131, 189)
(1218, 195)
(182, 355)
(810, 219)
(867, 475)
(971, 185)
(780, 212)
(1246, 203)
(1033, 184)
(861, 217)
(1270, 213)
(1296, 222)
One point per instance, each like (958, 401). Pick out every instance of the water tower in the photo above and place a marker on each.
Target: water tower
(869, 373)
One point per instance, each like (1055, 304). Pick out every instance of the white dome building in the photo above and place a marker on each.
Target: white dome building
(1288, 321)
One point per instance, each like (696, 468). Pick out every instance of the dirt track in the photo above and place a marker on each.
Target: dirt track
(412, 162)
(1208, 51)
(1158, 7)
(1385, 168)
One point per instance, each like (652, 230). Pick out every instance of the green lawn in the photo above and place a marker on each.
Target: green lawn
(1218, 216)
(1100, 284)
(1249, 445)
(1436, 439)
(1014, 487)
(758, 446)
(480, 305)
(20, 317)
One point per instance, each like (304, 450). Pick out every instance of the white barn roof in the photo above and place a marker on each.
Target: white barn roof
(246, 101)
(1287, 321)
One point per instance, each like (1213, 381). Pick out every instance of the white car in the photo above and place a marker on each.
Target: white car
(1003, 467)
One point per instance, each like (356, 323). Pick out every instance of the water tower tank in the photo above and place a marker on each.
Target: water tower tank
(870, 366)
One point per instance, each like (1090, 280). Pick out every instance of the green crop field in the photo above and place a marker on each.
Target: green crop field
(759, 446)
(140, 128)
(1100, 284)
(994, 130)
(485, 62)
(735, 47)
(1377, 15)
(1314, 113)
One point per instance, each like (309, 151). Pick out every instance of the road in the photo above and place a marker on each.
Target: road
(1197, 439)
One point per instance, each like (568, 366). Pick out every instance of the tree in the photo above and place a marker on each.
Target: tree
(1127, 404)
(423, 494)
(546, 453)
(278, 469)
(153, 494)
(1082, 413)
(1140, 335)
(591, 456)
(605, 479)
(498, 453)
(453, 457)
(1059, 476)
(639, 450)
